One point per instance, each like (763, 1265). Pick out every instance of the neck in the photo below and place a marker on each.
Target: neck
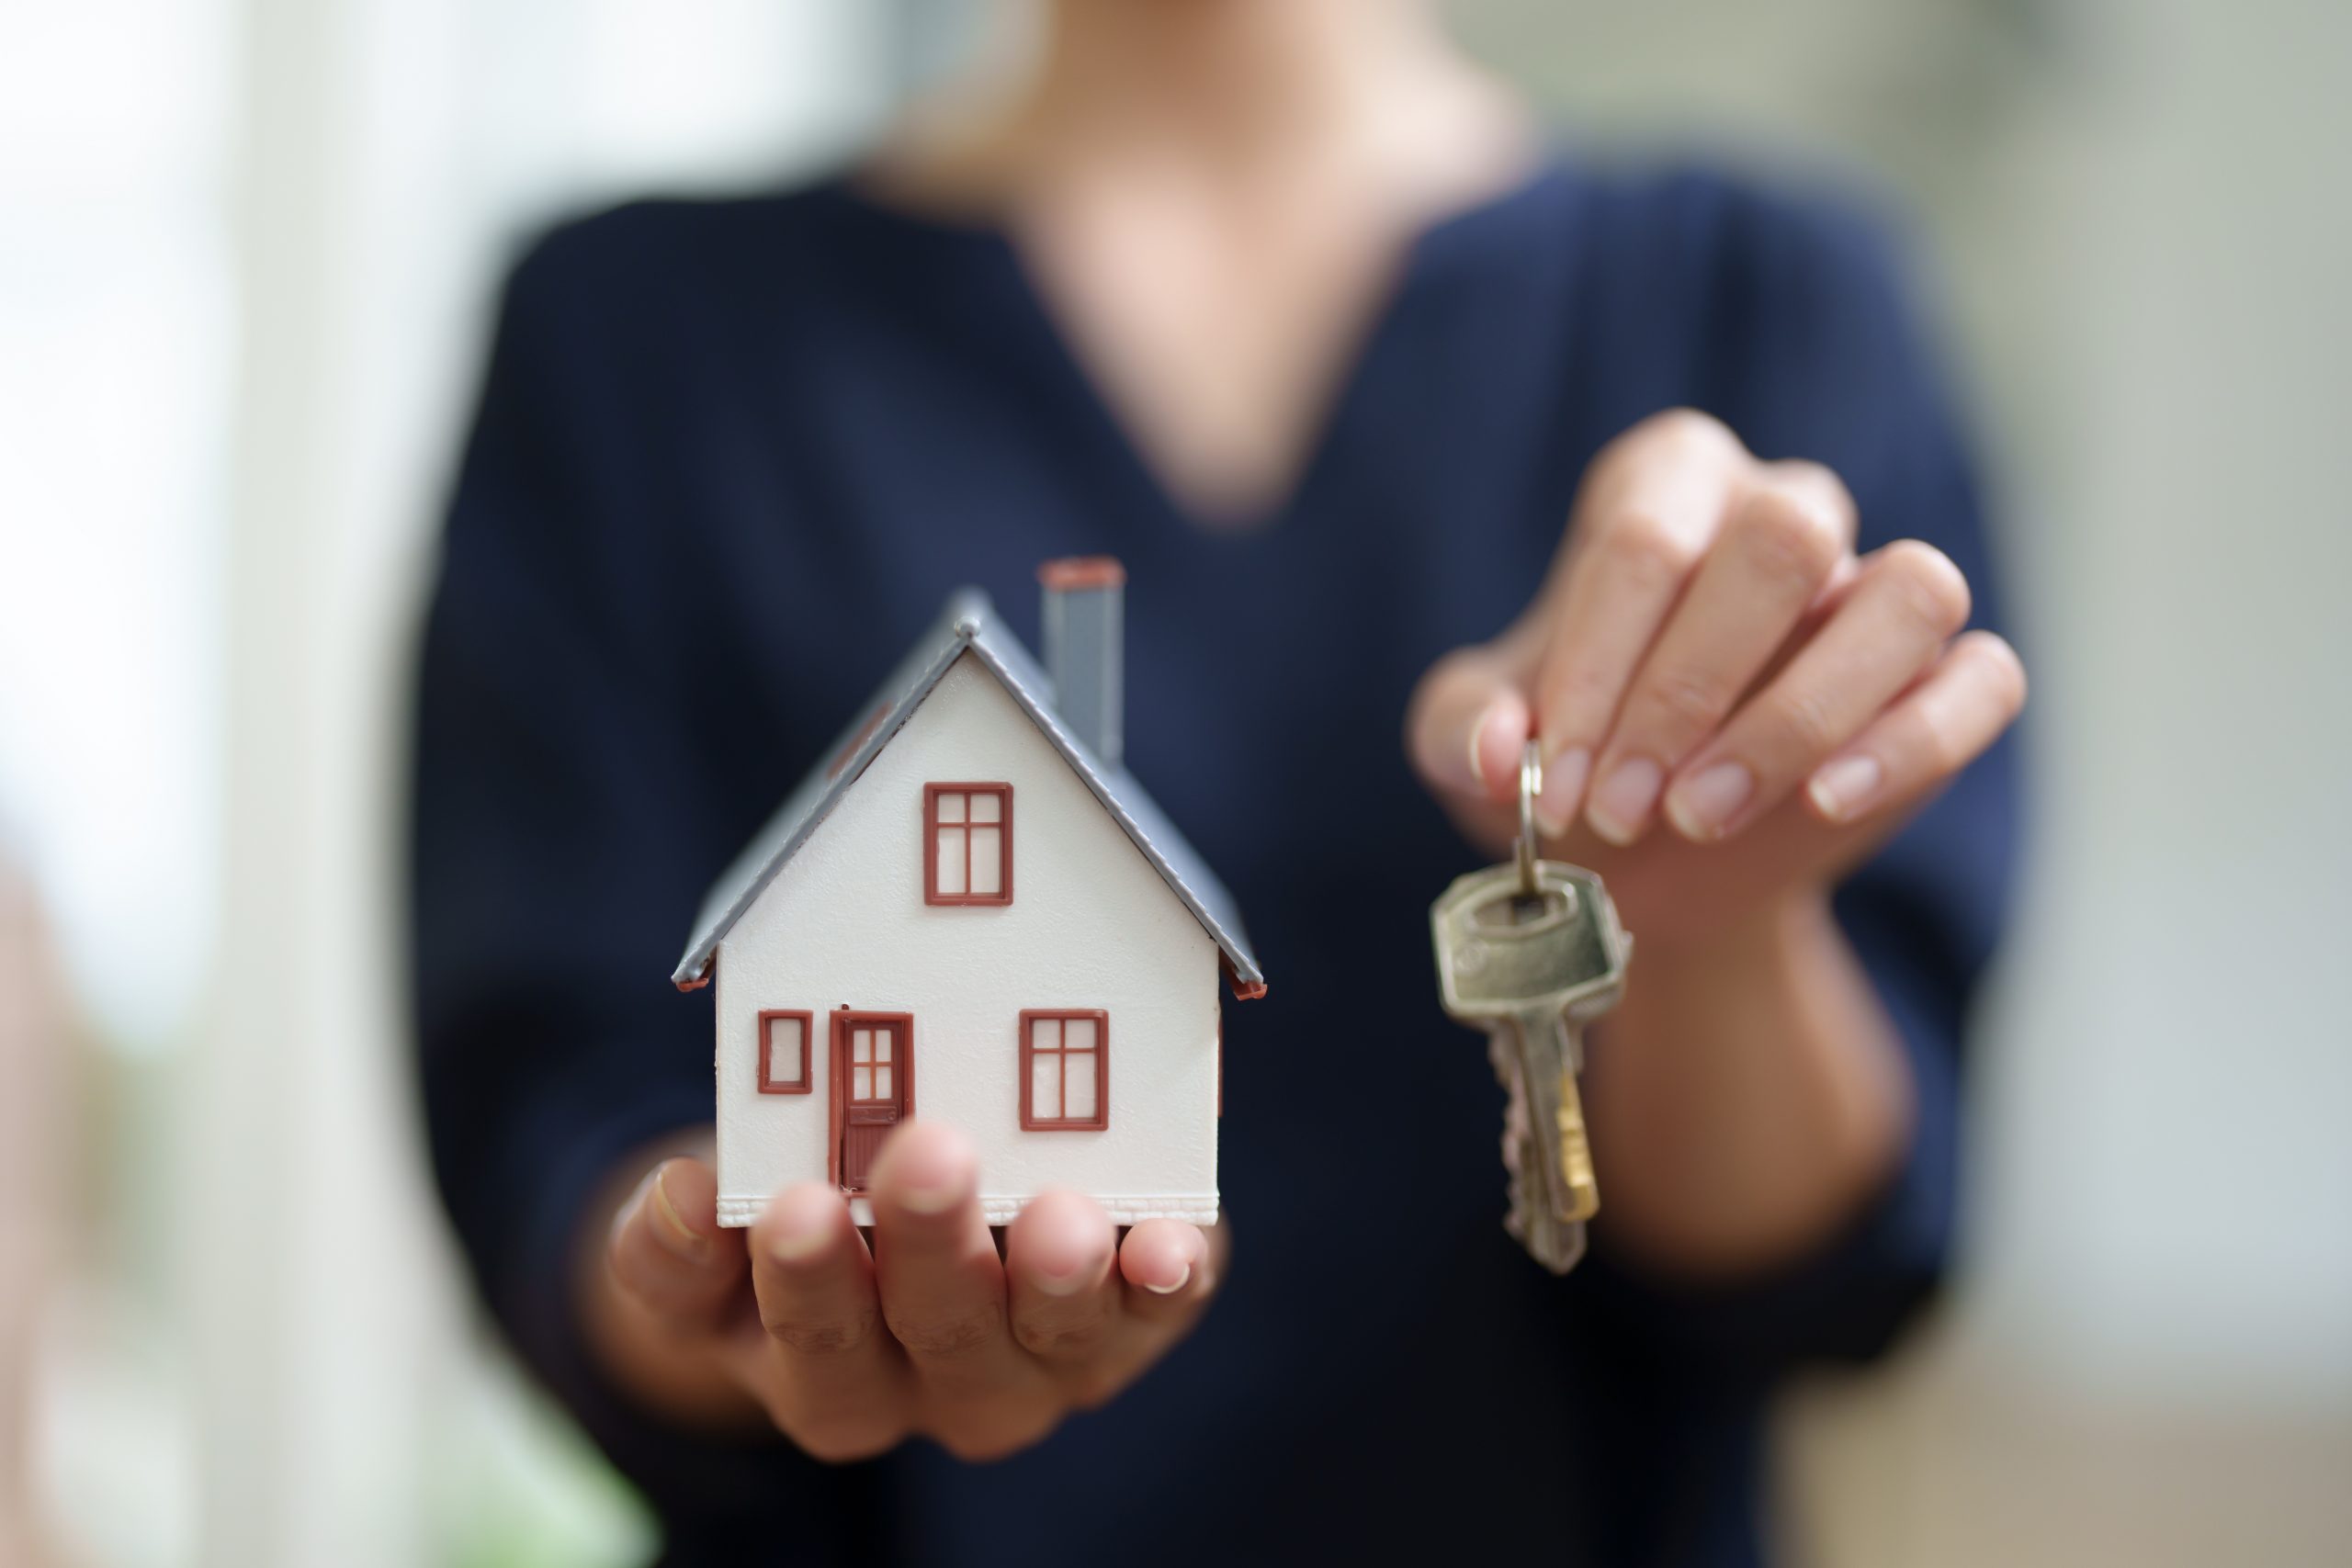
(1247, 94)
(1231, 75)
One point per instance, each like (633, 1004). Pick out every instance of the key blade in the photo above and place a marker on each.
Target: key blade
(1537, 1046)
(1552, 1191)
(1558, 1247)
(1551, 1051)
(1556, 1243)
(1575, 1148)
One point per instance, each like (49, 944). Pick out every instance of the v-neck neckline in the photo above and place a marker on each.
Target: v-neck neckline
(1032, 327)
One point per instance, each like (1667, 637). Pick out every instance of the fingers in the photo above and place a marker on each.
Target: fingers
(1656, 502)
(1468, 722)
(668, 1253)
(942, 1292)
(1893, 624)
(1974, 694)
(1786, 536)
(834, 1381)
(1059, 1255)
(1102, 1318)
(1170, 1270)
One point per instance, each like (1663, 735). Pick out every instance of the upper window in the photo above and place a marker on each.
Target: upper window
(967, 843)
(1065, 1070)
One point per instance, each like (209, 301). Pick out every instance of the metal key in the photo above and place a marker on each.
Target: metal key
(1532, 953)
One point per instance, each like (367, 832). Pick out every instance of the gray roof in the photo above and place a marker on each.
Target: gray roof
(970, 625)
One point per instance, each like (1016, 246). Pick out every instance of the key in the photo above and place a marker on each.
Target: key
(1533, 970)
(1533, 952)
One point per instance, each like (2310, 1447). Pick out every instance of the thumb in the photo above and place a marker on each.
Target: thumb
(1468, 721)
(667, 1250)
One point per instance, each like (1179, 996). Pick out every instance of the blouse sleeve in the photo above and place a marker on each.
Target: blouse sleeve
(556, 846)
(1834, 368)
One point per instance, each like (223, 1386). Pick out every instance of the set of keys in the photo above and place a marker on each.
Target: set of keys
(1532, 953)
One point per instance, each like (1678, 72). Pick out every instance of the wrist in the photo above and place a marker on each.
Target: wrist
(1776, 931)
(1749, 1094)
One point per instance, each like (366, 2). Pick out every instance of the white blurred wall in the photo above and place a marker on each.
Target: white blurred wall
(249, 246)
(390, 154)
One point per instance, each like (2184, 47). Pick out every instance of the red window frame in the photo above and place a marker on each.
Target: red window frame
(771, 1081)
(1101, 1051)
(931, 826)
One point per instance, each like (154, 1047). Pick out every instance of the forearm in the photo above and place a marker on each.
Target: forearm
(1748, 1097)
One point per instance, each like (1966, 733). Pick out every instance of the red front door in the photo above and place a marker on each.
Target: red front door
(873, 1087)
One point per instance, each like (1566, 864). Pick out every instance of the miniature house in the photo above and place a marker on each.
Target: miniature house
(969, 911)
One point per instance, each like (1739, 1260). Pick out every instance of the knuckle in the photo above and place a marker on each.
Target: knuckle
(1671, 436)
(954, 1337)
(1807, 718)
(822, 1337)
(1682, 703)
(1823, 489)
(1932, 590)
(1791, 542)
(1573, 696)
(1646, 552)
(1061, 1340)
(1688, 431)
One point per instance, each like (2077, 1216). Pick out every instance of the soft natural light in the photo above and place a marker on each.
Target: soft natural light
(115, 340)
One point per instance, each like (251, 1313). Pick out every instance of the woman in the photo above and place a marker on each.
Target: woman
(1391, 420)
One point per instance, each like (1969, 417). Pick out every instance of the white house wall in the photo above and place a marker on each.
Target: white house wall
(1090, 925)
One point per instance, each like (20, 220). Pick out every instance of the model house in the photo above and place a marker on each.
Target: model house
(970, 911)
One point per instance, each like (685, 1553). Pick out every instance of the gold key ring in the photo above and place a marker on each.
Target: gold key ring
(1531, 785)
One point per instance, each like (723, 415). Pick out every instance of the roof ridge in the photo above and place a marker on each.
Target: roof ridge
(968, 623)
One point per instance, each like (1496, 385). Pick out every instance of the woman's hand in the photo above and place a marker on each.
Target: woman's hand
(848, 1349)
(1733, 708)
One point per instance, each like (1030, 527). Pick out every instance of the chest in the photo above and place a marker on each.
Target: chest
(1217, 338)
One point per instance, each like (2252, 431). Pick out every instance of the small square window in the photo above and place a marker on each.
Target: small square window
(967, 843)
(784, 1051)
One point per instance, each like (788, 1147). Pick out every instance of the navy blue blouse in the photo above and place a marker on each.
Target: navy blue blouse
(731, 456)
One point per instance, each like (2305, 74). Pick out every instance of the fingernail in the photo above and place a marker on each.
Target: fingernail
(799, 1237)
(1478, 732)
(1063, 1284)
(1182, 1280)
(1842, 787)
(1704, 806)
(675, 1222)
(630, 1205)
(1563, 781)
(1623, 803)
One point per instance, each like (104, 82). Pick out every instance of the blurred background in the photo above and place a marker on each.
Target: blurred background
(246, 247)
